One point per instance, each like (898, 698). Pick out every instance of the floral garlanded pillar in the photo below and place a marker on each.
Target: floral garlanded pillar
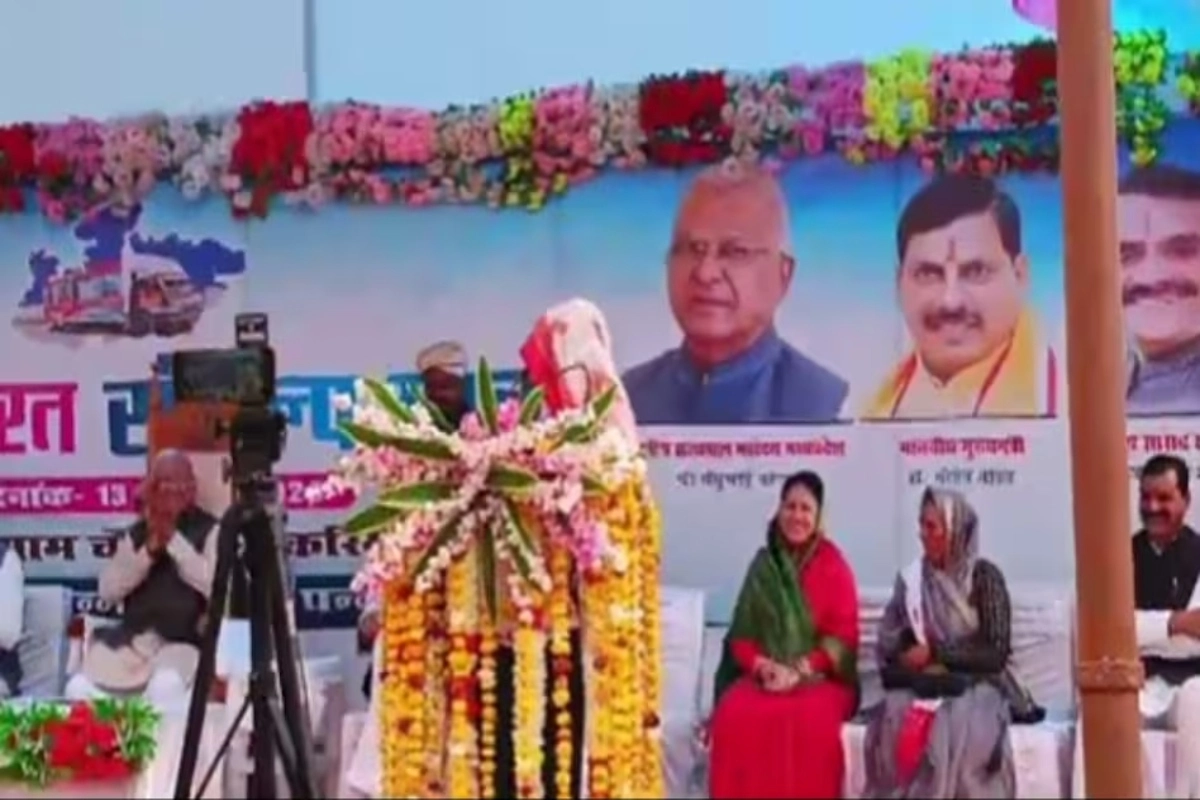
(514, 528)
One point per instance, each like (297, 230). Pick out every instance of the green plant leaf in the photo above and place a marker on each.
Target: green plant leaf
(528, 543)
(485, 396)
(487, 573)
(361, 434)
(422, 448)
(531, 406)
(578, 433)
(440, 420)
(421, 493)
(593, 486)
(371, 520)
(510, 479)
(386, 396)
(440, 540)
(373, 439)
(603, 404)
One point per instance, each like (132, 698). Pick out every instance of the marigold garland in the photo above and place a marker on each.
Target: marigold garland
(970, 110)
(517, 523)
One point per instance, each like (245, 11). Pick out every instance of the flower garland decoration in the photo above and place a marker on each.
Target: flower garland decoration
(1140, 64)
(1035, 84)
(270, 155)
(17, 165)
(105, 740)
(521, 523)
(897, 99)
(982, 110)
(1188, 81)
(401, 685)
(682, 117)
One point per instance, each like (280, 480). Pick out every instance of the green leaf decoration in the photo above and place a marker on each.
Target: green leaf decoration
(439, 419)
(440, 540)
(422, 493)
(593, 486)
(488, 573)
(373, 439)
(604, 403)
(510, 479)
(521, 561)
(421, 448)
(578, 433)
(528, 543)
(385, 395)
(531, 406)
(485, 396)
(361, 434)
(372, 520)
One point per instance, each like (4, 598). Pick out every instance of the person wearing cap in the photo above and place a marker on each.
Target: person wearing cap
(729, 268)
(443, 368)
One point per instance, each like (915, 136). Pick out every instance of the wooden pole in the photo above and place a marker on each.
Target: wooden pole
(1109, 672)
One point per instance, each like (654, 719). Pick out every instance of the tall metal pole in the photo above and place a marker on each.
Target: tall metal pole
(1109, 672)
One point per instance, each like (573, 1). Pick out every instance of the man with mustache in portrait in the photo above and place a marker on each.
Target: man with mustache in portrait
(963, 285)
(729, 268)
(1159, 219)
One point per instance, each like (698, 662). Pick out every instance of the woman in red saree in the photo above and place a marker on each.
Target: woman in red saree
(788, 679)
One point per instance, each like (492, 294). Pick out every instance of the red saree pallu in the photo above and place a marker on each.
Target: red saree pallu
(766, 744)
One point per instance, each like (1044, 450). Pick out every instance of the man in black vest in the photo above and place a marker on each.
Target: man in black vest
(161, 572)
(1166, 563)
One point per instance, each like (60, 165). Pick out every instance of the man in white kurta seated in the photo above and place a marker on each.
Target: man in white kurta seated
(12, 601)
(161, 572)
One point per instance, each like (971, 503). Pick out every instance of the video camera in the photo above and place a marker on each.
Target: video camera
(243, 376)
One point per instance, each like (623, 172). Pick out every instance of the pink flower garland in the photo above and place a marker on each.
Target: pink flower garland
(371, 154)
(565, 136)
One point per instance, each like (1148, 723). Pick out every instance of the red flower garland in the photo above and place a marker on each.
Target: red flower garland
(87, 747)
(682, 118)
(1035, 83)
(18, 165)
(270, 156)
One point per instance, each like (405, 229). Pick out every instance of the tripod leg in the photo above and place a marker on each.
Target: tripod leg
(262, 676)
(288, 755)
(227, 533)
(294, 702)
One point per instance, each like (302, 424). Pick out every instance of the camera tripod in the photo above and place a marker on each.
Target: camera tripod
(248, 560)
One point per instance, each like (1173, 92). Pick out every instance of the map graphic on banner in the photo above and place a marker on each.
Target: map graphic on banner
(888, 329)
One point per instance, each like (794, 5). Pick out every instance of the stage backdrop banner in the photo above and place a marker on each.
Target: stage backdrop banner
(890, 330)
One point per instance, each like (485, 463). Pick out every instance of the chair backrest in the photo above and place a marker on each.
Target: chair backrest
(1042, 631)
(682, 618)
(1042, 639)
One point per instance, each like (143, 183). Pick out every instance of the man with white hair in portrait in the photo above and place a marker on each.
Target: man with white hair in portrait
(729, 268)
(161, 572)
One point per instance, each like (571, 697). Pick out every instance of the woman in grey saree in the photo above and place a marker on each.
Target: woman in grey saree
(944, 648)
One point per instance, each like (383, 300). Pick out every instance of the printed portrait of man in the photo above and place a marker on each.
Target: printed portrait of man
(962, 280)
(1159, 227)
(729, 267)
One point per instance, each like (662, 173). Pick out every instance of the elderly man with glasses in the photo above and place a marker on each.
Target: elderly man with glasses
(729, 268)
(161, 573)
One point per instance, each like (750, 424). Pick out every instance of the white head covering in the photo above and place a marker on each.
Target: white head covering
(447, 356)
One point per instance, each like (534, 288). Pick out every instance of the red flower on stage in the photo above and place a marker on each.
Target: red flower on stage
(270, 155)
(683, 118)
(1035, 83)
(18, 165)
